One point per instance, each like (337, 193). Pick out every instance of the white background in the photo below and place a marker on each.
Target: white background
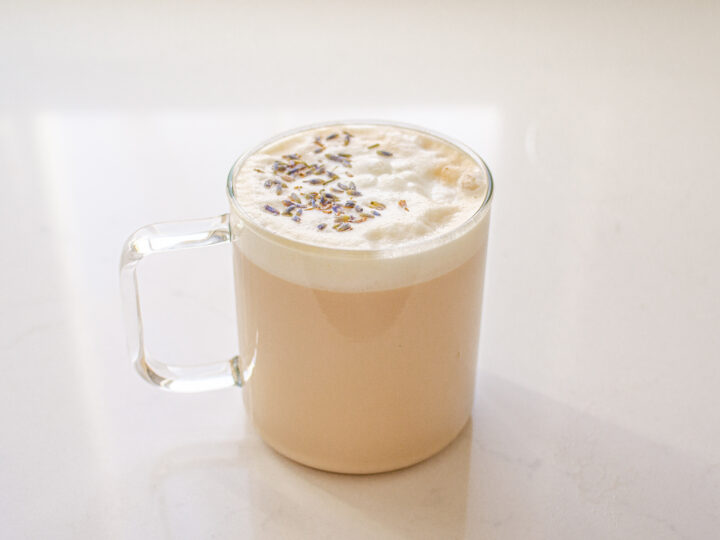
(597, 412)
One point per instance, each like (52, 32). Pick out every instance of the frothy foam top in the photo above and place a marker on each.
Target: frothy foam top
(360, 186)
(376, 195)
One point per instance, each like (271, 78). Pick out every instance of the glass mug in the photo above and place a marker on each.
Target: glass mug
(353, 377)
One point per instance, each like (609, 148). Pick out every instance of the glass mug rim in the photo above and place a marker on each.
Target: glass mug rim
(349, 253)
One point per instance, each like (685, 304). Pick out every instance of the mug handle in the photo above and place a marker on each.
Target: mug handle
(158, 238)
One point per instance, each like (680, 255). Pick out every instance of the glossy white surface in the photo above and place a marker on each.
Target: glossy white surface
(597, 412)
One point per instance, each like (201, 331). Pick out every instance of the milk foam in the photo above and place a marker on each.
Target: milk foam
(441, 186)
(412, 187)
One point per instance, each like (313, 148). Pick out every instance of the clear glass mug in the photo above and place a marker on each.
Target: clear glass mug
(352, 377)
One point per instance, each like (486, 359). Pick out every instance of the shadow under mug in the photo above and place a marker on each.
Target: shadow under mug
(371, 373)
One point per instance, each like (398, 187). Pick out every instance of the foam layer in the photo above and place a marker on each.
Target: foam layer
(419, 197)
(366, 187)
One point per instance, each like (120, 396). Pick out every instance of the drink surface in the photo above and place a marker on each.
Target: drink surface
(360, 186)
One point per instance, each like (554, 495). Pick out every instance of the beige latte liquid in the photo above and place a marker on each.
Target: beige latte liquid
(367, 365)
(360, 382)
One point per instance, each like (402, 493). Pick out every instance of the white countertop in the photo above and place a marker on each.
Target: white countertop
(597, 412)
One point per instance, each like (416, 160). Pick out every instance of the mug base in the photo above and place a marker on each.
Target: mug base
(358, 468)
